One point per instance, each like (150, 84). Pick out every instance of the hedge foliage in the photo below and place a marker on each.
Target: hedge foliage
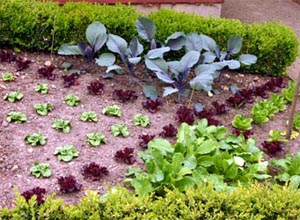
(255, 202)
(30, 25)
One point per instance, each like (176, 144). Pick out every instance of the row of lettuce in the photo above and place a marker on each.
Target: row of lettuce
(35, 25)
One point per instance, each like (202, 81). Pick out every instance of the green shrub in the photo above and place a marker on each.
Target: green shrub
(29, 24)
(255, 202)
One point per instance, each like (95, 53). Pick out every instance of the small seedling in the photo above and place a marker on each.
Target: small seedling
(96, 138)
(62, 125)
(13, 96)
(40, 170)
(72, 100)
(43, 109)
(296, 122)
(41, 88)
(18, 117)
(89, 116)
(113, 110)
(119, 129)
(141, 120)
(8, 77)
(66, 153)
(35, 139)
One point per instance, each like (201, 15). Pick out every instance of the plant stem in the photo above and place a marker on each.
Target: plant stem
(191, 97)
(53, 36)
(293, 108)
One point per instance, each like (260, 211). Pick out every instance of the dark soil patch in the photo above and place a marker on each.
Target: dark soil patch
(16, 158)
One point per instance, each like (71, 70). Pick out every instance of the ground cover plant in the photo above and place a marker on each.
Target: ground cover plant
(189, 154)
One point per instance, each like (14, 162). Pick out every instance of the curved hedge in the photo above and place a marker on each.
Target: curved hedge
(255, 202)
(29, 25)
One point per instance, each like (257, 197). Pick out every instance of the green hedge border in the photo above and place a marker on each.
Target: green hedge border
(253, 202)
(29, 24)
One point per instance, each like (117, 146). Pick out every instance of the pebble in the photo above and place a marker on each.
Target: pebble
(225, 88)
(48, 63)
(14, 168)
(30, 150)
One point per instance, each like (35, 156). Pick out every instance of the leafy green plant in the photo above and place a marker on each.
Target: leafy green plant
(201, 154)
(18, 117)
(89, 116)
(96, 138)
(289, 169)
(40, 170)
(241, 122)
(13, 96)
(42, 88)
(8, 77)
(113, 110)
(35, 139)
(119, 129)
(141, 120)
(96, 37)
(72, 100)
(296, 122)
(66, 153)
(276, 135)
(42, 109)
(62, 125)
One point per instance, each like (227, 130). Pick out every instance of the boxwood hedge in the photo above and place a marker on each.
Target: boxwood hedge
(31, 25)
(254, 202)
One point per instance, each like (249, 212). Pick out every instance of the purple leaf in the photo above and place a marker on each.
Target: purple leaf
(125, 155)
(96, 87)
(68, 184)
(168, 131)
(152, 105)
(94, 171)
(145, 139)
(47, 72)
(125, 95)
(185, 114)
(39, 192)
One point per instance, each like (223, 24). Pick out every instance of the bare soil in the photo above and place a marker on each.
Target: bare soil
(17, 158)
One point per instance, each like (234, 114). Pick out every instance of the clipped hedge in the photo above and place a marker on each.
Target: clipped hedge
(256, 202)
(30, 24)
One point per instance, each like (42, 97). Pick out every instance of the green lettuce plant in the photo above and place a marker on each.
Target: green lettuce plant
(296, 122)
(41, 88)
(241, 122)
(66, 153)
(8, 77)
(18, 117)
(119, 129)
(96, 138)
(42, 108)
(276, 135)
(40, 170)
(72, 100)
(35, 139)
(141, 120)
(89, 116)
(113, 110)
(13, 96)
(62, 125)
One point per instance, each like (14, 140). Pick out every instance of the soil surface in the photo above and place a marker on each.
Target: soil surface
(16, 158)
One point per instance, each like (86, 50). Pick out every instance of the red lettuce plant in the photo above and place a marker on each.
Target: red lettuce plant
(68, 184)
(7, 56)
(94, 171)
(125, 155)
(96, 87)
(125, 95)
(39, 192)
(185, 114)
(71, 80)
(47, 72)
(273, 148)
(246, 133)
(152, 105)
(168, 131)
(22, 64)
(219, 108)
(145, 139)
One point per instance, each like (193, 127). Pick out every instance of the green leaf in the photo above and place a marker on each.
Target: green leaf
(162, 145)
(142, 185)
(234, 44)
(66, 153)
(241, 122)
(119, 129)
(116, 44)
(96, 35)
(145, 28)
(67, 49)
(150, 92)
(89, 116)
(106, 59)
(206, 147)
(96, 138)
